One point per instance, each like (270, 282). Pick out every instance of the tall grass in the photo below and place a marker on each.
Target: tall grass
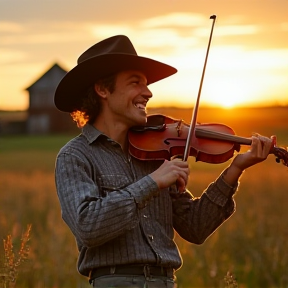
(252, 243)
(28, 195)
(249, 249)
(31, 198)
(12, 260)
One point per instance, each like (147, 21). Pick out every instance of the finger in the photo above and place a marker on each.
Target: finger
(256, 147)
(273, 138)
(267, 144)
(184, 175)
(261, 147)
(180, 157)
(178, 160)
(254, 144)
(181, 185)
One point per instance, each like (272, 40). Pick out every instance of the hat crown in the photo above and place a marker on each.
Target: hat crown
(119, 44)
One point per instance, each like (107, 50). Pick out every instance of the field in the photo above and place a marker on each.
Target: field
(251, 246)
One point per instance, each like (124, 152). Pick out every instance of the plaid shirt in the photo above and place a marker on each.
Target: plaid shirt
(117, 213)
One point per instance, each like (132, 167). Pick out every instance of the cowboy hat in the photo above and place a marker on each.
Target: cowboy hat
(109, 56)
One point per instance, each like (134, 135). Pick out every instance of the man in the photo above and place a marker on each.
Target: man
(121, 210)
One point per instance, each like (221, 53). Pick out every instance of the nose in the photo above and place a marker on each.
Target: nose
(147, 93)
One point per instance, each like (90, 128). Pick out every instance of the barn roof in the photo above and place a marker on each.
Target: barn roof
(53, 76)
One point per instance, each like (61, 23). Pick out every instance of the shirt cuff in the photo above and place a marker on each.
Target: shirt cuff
(143, 190)
(220, 191)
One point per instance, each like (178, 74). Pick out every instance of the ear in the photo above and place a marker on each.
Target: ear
(100, 90)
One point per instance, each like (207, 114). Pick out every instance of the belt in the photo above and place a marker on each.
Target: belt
(145, 270)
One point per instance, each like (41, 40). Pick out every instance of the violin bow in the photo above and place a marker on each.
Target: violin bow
(195, 110)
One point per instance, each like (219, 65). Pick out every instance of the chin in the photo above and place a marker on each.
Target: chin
(140, 120)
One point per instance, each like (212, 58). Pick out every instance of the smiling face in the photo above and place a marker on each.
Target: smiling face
(127, 103)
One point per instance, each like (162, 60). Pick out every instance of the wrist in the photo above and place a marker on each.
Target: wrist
(232, 174)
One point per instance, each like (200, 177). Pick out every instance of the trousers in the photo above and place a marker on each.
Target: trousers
(132, 281)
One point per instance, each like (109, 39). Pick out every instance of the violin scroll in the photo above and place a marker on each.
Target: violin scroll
(281, 155)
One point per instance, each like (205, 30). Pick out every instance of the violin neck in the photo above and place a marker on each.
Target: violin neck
(280, 153)
(214, 135)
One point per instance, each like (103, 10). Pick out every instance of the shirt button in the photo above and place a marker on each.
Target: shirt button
(145, 216)
(150, 237)
(112, 141)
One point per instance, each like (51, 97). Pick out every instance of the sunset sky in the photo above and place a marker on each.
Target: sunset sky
(247, 64)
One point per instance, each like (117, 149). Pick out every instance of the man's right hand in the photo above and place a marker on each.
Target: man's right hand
(172, 172)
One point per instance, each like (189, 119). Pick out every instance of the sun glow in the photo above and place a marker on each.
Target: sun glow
(238, 77)
(230, 91)
(234, 77)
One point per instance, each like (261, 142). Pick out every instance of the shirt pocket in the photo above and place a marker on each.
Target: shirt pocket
(109, 183)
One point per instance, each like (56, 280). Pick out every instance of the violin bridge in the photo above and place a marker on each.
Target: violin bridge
(178, 127)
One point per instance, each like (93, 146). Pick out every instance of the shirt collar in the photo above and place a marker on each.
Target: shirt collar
(91, 133)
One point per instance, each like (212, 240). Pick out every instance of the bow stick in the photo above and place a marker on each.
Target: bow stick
(195, 110)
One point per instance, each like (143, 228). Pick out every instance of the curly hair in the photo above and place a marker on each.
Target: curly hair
(91, 102)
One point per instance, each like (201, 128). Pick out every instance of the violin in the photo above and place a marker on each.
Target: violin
(164, 137)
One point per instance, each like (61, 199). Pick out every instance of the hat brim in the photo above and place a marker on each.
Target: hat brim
(73, 87)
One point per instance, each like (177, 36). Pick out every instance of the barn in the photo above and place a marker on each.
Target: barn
(42, 115)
